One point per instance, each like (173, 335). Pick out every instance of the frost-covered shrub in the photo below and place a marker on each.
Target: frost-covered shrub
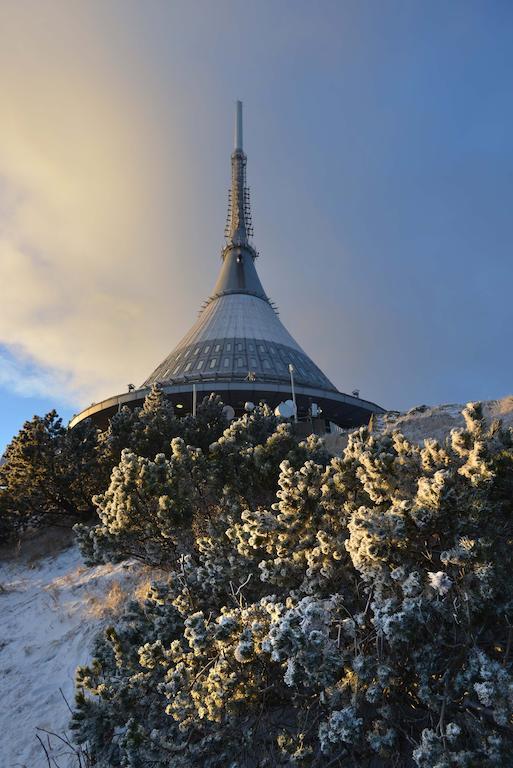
(49, 475)
(152, 504)
(148, 507)
(356, 611)
(149, 430)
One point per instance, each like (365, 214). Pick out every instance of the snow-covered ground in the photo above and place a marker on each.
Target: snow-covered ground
(438, 420)
(434, 421)
(50, 612)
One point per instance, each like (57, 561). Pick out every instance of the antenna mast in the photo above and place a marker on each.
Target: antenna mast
(239, 226)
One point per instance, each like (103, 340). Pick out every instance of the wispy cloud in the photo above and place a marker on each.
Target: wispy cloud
(75, 169)
(28, 379)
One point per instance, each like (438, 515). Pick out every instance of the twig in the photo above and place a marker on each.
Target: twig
(508, 646)
(40, 740)
(65, 700)
(204, 669)
(244, 584)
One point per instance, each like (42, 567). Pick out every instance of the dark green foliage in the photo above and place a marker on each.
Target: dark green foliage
(50, 474)
(146, 431)
(119, 648)
(152, 507)
(207, 426)
(349, 612)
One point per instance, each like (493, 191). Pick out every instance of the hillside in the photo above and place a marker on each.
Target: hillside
(437, 421)
(51, 609)
(52, 606)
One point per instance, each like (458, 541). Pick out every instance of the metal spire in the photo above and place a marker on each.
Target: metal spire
(238, 223)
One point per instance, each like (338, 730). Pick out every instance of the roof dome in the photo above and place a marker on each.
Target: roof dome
(237, 336)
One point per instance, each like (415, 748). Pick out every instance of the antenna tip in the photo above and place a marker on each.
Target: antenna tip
(238, 125)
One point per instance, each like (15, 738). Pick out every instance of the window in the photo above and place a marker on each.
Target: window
(228, 347)
(272, 350)
(261, 349)
(213, 362)
(218, 348)
(253, 362)
(240, 347)
(206, 350)
(240, 362)
(267, 364)
(200, 364)
(188, 367)
(226, 362)
(176, 370)
(251, 347)
(196, 350)
(178, 356)
(186, 354)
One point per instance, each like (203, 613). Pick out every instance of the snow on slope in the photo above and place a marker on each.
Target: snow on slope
(427, 421)
(50, 612)
(437, 421)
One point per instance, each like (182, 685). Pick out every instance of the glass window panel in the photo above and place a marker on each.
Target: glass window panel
(228, 347)
(213, 362)
(196, 350)
(188, 367)
(200, 364)
(218, 348)
(206, 350)
(240, 362)
(226, 362)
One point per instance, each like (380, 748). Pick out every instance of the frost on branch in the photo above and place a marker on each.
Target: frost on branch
(348, 611)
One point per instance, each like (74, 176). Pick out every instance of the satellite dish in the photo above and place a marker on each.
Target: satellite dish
(228, 413)
(286, 410)
(249, 406)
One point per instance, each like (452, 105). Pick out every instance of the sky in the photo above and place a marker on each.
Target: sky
(379, 138)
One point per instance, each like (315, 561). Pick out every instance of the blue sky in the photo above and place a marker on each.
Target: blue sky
(380, 158)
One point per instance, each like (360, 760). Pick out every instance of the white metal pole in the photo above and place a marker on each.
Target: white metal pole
(194, 400)
(291, 371)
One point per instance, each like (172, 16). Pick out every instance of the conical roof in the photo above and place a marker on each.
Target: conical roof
(238, 334)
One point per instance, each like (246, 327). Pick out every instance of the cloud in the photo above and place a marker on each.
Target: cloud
(22, 376)
(77, 160)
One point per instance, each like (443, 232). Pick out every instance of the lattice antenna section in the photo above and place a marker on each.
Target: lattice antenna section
(239, 224)
(247, 212)
(227, 226)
